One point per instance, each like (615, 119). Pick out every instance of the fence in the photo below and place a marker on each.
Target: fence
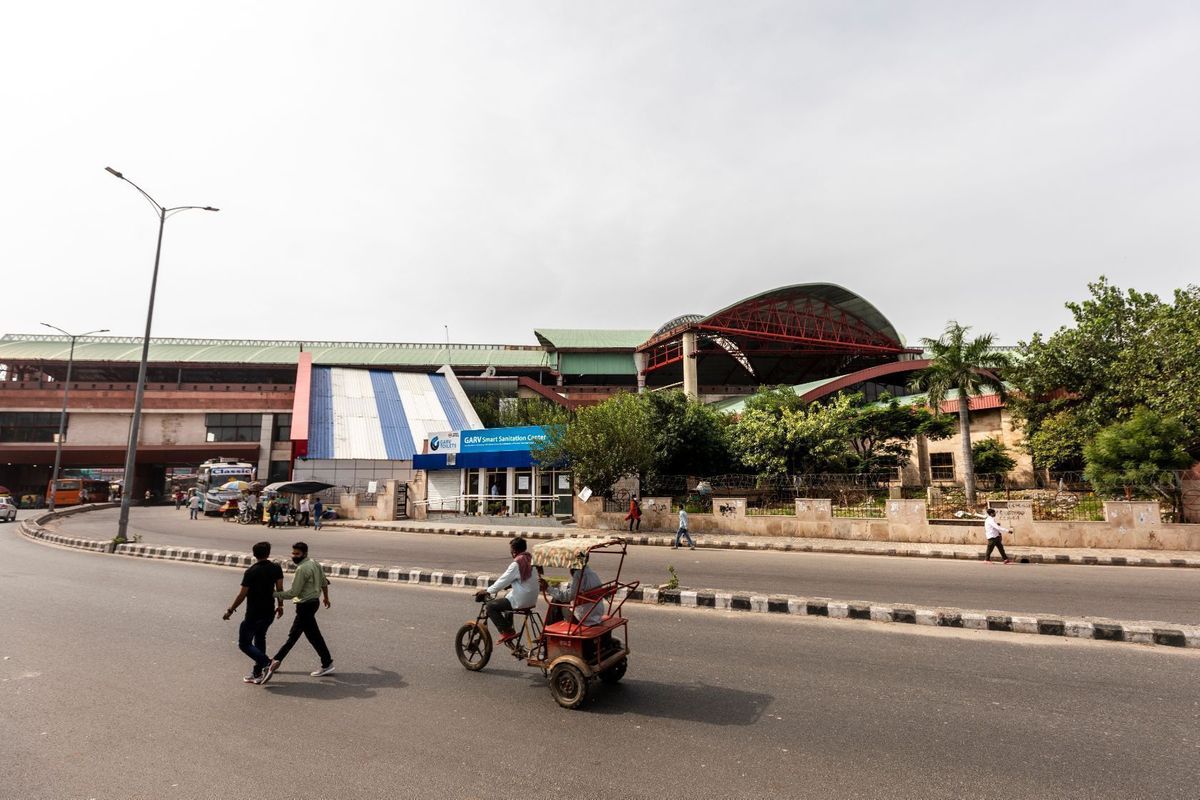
(1059, 496)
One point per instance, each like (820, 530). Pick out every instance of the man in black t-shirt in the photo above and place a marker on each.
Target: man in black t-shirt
(259, 583)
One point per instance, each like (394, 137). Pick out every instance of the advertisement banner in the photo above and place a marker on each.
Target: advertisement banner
(444, 442)
(499, 440)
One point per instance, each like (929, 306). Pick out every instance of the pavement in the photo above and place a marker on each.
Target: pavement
(1141, 597)
(120, 681)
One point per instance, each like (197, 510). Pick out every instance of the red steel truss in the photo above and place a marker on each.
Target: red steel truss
(797, 326)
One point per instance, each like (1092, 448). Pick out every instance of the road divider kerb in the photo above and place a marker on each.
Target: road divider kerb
(835, 547)
(1145, 633)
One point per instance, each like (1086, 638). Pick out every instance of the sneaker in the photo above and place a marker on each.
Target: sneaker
(266, 676)
(274, 665)
(508, 637)
(317, 673)
(674, 547)
(250, 679)
(1008, 561)
(691, 547)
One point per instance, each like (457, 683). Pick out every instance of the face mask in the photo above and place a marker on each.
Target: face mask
(297, 559)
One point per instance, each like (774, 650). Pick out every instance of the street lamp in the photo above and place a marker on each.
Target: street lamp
(62, 417)
(135, 424)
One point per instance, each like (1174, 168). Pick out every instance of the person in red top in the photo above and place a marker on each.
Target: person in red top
(635, 514)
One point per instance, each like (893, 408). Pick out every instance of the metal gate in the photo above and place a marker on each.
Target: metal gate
(400, 501)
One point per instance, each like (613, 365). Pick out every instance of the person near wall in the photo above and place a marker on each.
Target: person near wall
(683, 530)
(318, 510)
(635, 514)
(994, 531)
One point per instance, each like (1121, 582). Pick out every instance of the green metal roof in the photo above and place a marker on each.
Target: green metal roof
(36, 347)
(579, 339)
(597, 364)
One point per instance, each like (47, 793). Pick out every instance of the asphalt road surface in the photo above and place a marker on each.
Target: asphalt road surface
(118, 679)
(1126, 593)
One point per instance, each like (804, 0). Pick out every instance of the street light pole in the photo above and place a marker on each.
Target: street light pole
(135, 424)
(62, 417)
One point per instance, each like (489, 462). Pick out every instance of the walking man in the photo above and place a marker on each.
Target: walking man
(304, 511)
(259, 583)
(309, 587)
(993, 530)
(318, 510)
(683, 530)
(194, 506)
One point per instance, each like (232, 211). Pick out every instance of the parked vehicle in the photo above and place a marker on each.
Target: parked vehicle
(8, 509)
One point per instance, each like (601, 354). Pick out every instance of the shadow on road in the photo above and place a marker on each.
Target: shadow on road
(688, 702)
(338, 686)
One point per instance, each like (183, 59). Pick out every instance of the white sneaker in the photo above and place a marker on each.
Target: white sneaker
(317, 673)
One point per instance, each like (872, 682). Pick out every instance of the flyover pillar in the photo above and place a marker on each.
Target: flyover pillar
(691, 380)
(639, 361)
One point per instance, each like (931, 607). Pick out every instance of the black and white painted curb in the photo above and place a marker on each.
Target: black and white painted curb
(837, 547)
(1070, 627)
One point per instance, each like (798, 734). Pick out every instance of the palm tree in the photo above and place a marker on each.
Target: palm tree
(970, 367)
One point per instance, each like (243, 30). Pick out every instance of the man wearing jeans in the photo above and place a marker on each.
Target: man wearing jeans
(309, 587)
(259, 582)
(683, 531)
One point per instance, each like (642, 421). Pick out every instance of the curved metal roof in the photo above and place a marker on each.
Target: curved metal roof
(672, 324)
(832, 294)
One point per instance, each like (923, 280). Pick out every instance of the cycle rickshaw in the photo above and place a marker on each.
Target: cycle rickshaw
(572, 655)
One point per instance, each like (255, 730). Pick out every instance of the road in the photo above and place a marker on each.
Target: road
(1126, 593)
(119, 680)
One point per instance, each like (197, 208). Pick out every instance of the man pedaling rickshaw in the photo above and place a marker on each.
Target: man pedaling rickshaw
(522, 594)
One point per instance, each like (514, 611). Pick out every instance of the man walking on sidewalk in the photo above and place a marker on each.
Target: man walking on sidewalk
(683, 530)
(194, 507)
(259, 582)
(309, 587)
(994, 530)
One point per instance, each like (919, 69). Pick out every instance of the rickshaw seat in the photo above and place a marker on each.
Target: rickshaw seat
(567, 628)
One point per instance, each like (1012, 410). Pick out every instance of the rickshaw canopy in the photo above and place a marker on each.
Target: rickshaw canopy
(571, 551)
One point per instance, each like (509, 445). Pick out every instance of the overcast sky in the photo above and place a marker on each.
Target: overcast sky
(384, 169)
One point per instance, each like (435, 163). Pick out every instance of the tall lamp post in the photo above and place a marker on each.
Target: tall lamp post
(135, 424)
(62, 417)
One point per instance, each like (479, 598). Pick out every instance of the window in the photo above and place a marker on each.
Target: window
(234, 427)
(279, 471)
(19, 426)
(281, 428)
(941, 466)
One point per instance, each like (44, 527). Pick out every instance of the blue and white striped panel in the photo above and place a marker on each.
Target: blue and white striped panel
(357, 431)
(421, 407)
(454, 414)
(320, 415)
(397, 437)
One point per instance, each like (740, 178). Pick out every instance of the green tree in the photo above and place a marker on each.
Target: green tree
(969, 368)
(1124, 350)
(1140, 452)
(990, 457)
(501, 411)
(604, 443)
(881, 433)
(691, 438)
(1058, 442)
(777, 435)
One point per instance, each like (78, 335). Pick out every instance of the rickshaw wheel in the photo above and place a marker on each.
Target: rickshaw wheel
(568, 685)
(614, 673)
(473, 645)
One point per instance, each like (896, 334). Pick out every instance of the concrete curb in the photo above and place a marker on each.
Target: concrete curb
(898, 549)
(1146, 633)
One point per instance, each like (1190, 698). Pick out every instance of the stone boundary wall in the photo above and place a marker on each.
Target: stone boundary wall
(1130, 526)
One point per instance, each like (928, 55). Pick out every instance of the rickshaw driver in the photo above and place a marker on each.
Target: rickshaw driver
(521, 595)
(582, 580)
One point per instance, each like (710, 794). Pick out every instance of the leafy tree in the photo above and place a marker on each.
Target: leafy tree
(777, 435)
(1058, 442)
(690, 438)
(968, 367)
(881, 433)
(498, 411)
(1139, 452)
(1124, 350)
(991, 457)
(604, 443)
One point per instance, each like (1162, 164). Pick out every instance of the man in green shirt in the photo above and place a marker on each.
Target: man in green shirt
(309, 587)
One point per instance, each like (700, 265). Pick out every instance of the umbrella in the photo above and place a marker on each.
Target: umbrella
(4, 490)
(234, 486)
(298, 487)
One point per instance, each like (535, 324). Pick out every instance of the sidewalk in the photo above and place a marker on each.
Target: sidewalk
(1044, 555)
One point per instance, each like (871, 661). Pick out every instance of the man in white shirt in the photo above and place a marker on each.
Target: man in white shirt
(683, 530)
(582, 580)
(522, 594)
(304, 511)
(993, 530)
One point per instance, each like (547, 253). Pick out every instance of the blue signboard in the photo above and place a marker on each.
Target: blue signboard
(501, 440)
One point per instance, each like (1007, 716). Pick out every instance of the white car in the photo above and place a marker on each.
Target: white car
(8, 511)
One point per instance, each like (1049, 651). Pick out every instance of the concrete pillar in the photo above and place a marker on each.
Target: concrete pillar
(264, 447)
(691, 380)
(639, 362)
